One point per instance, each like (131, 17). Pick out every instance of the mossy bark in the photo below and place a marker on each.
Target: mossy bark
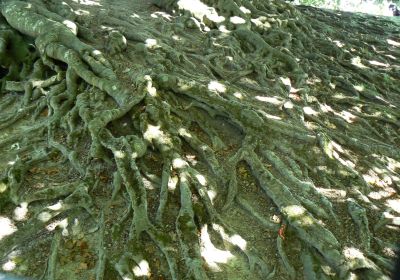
(255, 131)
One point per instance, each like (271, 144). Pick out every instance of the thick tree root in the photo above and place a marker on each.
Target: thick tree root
(241, 139)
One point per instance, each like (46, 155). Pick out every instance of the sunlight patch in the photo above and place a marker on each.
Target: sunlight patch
(7, 227)
(21, 212)
(382, 194)
(286, 81)
(71, 26)
(183, 131)
(353, 253)
(3, 187)
(179, 163)
(63, 224)
(56, 206)
(142, 269)
(288, 105)
(272, 117)
(393, 43)
(338, 43)
(359, 87)
(244, 10)
(347, 116)
(210, 253)
(377, 63)
(309, 111)
(119, 154)
(200, 10)
(87, 2)
(201, 179)
(238, 95)
(162, 14)
(326, 108)
(273, 100)
(356, 61)
(44, 216)
(294, 210)
(390, 56)
(234, 239)
(8, 266)
(394, 204)
(216, 86)
(152, 132)
(211, 194)
(172, 183)
(237, 20)
(151, 44)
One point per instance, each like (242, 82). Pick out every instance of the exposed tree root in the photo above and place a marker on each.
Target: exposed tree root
(197, 139)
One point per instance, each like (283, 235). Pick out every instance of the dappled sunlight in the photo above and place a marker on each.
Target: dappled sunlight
(10, 265)
(238, 95)
(162, 14)
(185, 132)
(200, 10)
(286, 81)
(393, 204)
(62, 224)
(382, 194)
(142, 269)
(313, 81)
(353, 253)
(288, 105)
(393, 43)
(201, 179)
(81, 12)
(271, 117)
(57, 206)
(339, 43)
(134, 15)
(152, 44)
(210, 253)
(88, 2)
(203, 139)
(21, 212)
(382, 181)
(119, 154)
(234, 239)
(394, 220)
(3, 187)
(275, 100)
(366, 6)
(172, 183)
(377, 63)
(217, 87)
(44, 216)
(310, 111)
(7, 227)
(347, 116)
(191, 159)
(359, 87)
(295, 210)
(176, 38)
(179, 163)
(153, 132)
(212, 195)
(244, 10)
(334, 194)
(356, 61)
(393, 164)
(237, 20)
(326, 108)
